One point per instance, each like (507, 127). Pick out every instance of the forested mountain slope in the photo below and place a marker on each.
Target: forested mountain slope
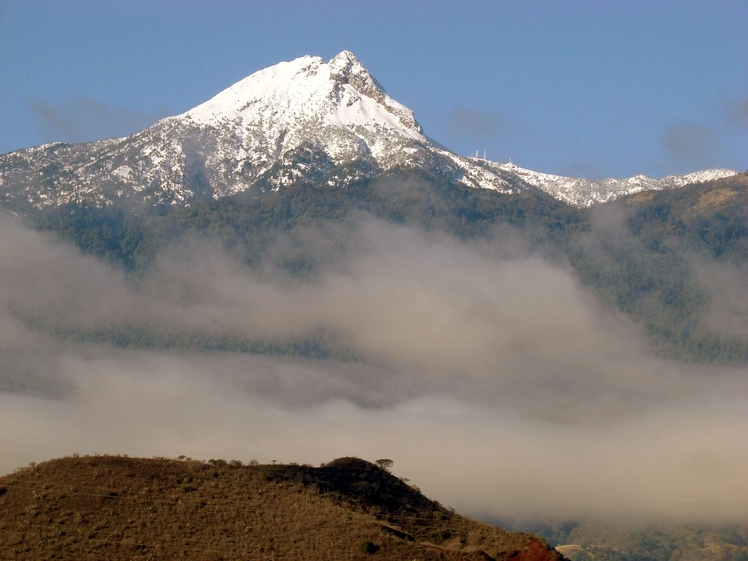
(648, 255)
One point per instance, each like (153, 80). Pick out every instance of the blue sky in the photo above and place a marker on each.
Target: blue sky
(591, 89)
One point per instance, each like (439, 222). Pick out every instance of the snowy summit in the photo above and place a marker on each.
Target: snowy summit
(309, 91)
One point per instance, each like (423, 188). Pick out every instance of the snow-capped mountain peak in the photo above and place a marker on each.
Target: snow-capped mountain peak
(340, 93)
(302, 121)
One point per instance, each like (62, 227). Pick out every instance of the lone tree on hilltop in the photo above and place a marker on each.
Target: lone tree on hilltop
(385, 464)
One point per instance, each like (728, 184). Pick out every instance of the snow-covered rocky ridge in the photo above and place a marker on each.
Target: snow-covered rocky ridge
(298, 121)
(587, 192)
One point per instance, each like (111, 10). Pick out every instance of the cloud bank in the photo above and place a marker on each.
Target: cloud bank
(496, 383)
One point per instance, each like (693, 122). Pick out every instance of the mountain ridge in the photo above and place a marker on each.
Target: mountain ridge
(300, 121)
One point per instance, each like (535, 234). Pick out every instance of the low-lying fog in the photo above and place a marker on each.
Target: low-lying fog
(495, 382)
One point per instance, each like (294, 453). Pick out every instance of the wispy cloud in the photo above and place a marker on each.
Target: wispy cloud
(691, 146)
(476, 126)
(82, 119)
(588, 170)
(736, 113)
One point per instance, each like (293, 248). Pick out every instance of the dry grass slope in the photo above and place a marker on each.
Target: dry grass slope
(104, 507)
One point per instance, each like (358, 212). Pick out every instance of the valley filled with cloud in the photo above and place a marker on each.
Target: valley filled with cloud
(496, 382)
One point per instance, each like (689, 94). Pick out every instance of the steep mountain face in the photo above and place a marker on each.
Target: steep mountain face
(304, 121)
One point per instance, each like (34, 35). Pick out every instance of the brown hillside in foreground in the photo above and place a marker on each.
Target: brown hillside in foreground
(104, 507)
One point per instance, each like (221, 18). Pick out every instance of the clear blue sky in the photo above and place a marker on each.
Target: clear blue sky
(595, 89)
